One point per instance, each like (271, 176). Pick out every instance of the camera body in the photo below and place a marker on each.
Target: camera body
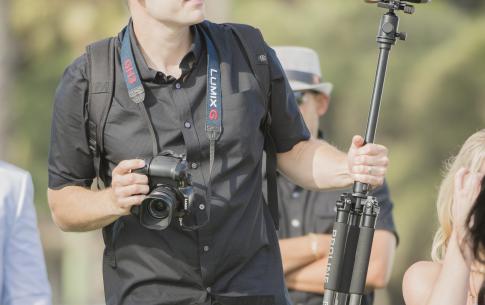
(171, 193)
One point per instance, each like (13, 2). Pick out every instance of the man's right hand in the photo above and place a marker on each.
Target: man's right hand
(127, 188)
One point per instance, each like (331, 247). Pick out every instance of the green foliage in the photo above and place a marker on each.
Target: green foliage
(46, 41)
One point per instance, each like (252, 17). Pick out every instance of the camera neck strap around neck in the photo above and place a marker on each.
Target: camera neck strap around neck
(213, 124)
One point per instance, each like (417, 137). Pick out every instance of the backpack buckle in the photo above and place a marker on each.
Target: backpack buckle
(262, 59)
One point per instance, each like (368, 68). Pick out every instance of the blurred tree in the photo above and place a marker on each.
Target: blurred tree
(468, 5)
(5, 75)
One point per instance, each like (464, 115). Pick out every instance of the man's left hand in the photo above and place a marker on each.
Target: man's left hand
(367, 163)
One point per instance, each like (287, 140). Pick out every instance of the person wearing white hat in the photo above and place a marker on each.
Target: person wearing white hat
(302, 68)
(306, 217)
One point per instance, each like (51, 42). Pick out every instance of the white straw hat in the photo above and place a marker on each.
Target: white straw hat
(302, 68)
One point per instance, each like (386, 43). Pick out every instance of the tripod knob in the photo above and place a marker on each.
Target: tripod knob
(402, 35)
(409, 9)
(388, 28)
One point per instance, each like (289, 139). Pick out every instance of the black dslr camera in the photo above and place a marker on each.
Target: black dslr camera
(171, 192)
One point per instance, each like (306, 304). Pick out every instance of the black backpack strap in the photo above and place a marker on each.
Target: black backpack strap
(256, 50)
(101, 67)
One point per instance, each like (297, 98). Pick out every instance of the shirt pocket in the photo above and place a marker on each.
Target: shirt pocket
(248, 103)
(126, 134)
(242, 113)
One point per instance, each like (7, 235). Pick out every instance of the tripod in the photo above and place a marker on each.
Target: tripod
(357, 212)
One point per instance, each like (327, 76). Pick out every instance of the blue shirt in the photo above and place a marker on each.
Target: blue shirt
(23, 276)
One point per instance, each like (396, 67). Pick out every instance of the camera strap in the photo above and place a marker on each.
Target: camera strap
(213, 126)
(213, 123)
(130, 72)
(132, 78)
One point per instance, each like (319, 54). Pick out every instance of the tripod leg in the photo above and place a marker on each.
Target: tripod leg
(361, 264)
(362, 254)
(350, 253)
(333, 276)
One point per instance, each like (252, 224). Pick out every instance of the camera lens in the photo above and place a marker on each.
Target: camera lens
(160, 202)
(158, 209)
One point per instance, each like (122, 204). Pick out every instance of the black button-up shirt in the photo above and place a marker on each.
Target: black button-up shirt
(235, 259)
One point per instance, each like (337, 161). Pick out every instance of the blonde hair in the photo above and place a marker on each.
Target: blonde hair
(471, 156)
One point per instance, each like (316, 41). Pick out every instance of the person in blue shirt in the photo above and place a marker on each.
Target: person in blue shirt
(23, 275)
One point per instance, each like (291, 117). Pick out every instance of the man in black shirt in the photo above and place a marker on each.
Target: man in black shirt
(234, 258)
(307, 217)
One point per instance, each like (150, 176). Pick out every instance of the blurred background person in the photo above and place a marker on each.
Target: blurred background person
(455, 275)
(307, 217)
(23, 276)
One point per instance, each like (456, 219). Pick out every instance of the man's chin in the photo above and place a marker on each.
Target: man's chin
(195, 18)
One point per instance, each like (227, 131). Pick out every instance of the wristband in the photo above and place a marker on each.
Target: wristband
(314, 245)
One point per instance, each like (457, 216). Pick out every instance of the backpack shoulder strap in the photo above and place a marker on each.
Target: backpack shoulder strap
(256, 49)
(101, 67)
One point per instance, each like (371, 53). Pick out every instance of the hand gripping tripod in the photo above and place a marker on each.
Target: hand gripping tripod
(357, 212)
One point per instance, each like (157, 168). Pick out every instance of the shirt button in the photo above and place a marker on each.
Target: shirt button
(206, 248)
(208, 289)
(194, 165)
(187, 124)
(295, 195)
(178, 86)
(201, 206)
(295, 223)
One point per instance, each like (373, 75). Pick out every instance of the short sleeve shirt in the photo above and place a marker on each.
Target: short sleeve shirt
(236, 256)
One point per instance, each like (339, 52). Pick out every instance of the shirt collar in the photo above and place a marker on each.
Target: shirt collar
(188, 62)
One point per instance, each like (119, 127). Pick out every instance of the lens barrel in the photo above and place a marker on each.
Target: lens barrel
(158, 208)
(159, 205)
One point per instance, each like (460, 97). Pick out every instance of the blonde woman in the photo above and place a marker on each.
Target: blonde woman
(454, 277)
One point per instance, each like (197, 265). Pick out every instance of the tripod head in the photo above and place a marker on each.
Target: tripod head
(397, 5)
(412, 1)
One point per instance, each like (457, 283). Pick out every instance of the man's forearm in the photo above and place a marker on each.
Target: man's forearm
(79, 209)
(76, 208)
(308, 278)
(304, 163)
(309, 249)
